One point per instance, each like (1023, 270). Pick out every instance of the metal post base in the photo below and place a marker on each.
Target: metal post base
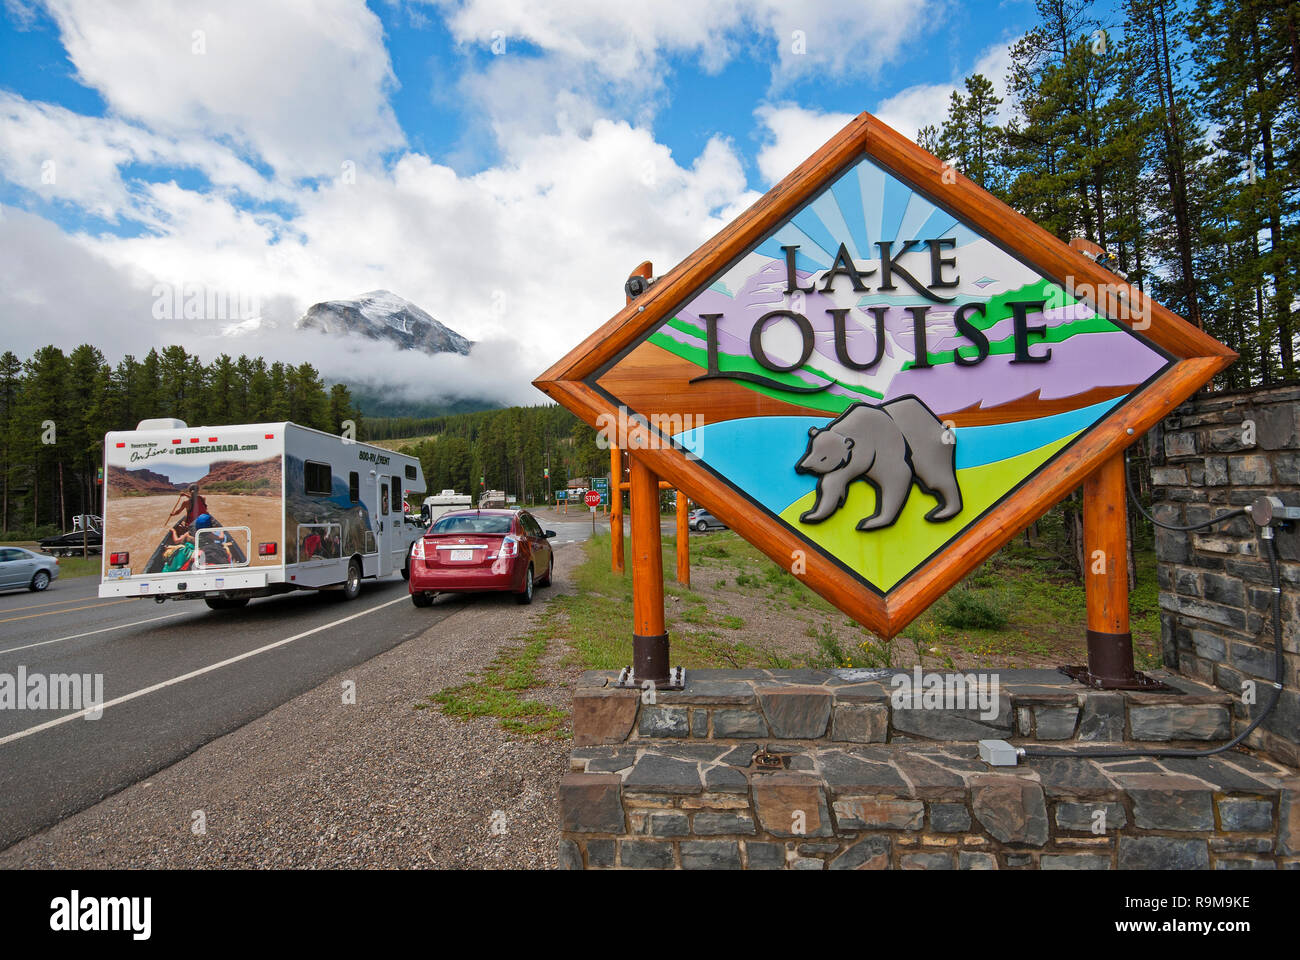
(627, 680)
(1138, 681)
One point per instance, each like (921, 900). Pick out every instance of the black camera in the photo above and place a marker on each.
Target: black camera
(636, 286)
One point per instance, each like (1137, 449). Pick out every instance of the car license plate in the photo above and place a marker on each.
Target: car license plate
(121, 573)
(462, 554)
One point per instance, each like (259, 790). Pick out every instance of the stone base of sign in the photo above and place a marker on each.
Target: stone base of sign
(812, 770)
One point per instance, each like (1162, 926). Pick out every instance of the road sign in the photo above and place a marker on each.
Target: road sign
(880, 373)
(600, 483)
(592, 498)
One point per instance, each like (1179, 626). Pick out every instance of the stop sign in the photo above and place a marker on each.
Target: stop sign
(592, 498)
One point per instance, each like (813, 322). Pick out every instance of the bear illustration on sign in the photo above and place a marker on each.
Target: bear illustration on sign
(889, 446)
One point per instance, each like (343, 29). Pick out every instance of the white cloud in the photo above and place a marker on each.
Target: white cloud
(62, 155)
(54, 290)
(526, 258)
(614, 58)
(805, 35)
(794, 133)
(302, 86)
(927, 103)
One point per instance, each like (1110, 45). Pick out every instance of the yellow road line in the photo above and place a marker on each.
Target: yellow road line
(52, 603)
(28, 616)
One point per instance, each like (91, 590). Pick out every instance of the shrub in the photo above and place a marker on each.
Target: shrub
(967, 610)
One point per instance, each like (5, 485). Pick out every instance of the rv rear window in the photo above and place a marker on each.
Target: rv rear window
(354, 487)
(410, 472)
(317, 479)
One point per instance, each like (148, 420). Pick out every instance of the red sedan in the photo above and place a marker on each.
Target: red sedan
(471, 551)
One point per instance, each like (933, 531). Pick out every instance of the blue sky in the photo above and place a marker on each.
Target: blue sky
(294, 154)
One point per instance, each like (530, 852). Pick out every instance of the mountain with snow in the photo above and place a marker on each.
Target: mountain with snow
(382, 315)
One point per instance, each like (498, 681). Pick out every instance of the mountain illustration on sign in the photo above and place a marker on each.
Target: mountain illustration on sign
(889, 446)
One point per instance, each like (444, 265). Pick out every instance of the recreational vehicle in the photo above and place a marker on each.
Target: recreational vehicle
(445, 502)
(224, 514)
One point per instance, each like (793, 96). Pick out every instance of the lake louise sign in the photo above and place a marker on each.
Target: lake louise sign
(880, 373)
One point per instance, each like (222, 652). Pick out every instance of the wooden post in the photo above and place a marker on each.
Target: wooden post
(683, 541)
(649, 638)
(616, 509)
(645, 269)
(1105, 549)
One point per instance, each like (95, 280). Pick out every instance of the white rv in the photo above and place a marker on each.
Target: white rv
(445, 502)
(228, 513)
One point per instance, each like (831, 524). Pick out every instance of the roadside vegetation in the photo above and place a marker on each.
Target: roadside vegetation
(501, 691)
(1024, 607)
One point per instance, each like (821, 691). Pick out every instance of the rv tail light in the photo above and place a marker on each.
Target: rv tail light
(122, 559)
(266, 549)
(509, 547)
(417, 549)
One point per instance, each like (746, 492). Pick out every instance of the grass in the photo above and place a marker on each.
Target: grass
(499, 693)
(1021, 604)
(1018, 607)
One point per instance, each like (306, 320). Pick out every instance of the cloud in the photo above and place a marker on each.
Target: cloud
(54, 290)
(793, 134)
(302, 87)
(624, 45)
(527, 257)
(615, 60)
(917, 106)
(61, 155)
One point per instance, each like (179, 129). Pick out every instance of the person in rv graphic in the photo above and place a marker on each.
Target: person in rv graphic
(191, 504)
(217, 549)
(177, 548)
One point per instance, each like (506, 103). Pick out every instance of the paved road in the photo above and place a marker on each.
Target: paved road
(177, 675)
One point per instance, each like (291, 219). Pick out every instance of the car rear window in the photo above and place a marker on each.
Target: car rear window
(473, 524)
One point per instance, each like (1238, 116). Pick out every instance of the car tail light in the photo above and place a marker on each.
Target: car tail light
(267, 549)
(509, 547)
(122, 559)
(417, 549)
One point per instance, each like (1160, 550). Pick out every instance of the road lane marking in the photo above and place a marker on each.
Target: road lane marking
(191, 675)
(52, 603)
(89, 606)
(91, 633)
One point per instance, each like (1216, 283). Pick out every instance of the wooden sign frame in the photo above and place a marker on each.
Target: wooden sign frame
(1195, 359)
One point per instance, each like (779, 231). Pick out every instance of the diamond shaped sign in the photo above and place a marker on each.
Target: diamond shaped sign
(880, 373)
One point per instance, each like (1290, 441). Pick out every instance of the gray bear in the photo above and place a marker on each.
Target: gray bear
(888, 446)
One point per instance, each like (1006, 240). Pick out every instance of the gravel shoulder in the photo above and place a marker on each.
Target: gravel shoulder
(317, 783)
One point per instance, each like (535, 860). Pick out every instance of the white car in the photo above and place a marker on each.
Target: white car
(22, 568)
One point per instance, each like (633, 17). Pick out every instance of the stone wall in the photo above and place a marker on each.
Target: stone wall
(1214, 453)
(811, 770)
